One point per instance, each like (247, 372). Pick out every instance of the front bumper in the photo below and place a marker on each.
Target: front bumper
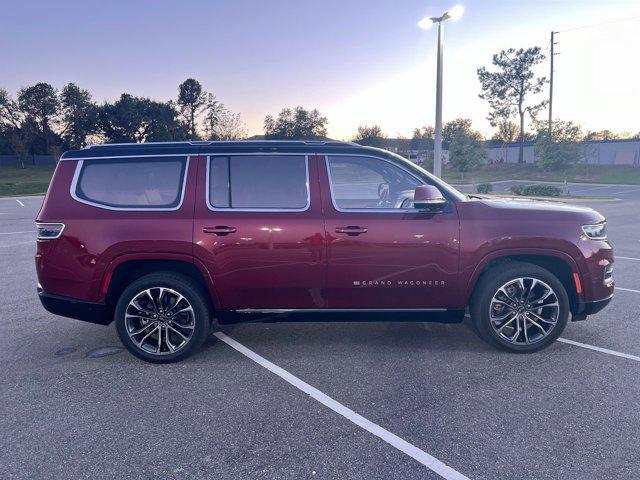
(589, 308)
(73, 308)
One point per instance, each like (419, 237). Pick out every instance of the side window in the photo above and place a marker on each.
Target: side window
(154, 182)
(370, 183)
(259, 182)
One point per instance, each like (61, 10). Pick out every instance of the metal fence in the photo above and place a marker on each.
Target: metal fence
(12, 160)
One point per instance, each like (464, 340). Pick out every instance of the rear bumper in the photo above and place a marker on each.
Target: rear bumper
(73, 308)
(589, 308)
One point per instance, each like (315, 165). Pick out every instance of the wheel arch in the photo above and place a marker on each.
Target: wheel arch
(558, 263)
(128, 268)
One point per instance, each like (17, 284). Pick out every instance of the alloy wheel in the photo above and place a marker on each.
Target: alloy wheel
(160, 321)
(524, 310)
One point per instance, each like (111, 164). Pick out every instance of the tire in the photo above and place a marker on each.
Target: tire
(170, 313)
(531, 325)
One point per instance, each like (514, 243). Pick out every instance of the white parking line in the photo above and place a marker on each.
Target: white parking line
(16, 233)
(20, 203)
(628, 289)
(626, 258)
(405, 447)
(625, 191)
(600, 349)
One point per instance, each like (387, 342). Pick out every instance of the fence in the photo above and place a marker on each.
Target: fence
(12, 160)
(603, 152)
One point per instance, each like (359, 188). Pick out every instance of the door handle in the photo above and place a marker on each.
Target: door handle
(220, 230)
(351, 230)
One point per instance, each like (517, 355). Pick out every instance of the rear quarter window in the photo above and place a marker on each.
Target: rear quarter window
(131, 183)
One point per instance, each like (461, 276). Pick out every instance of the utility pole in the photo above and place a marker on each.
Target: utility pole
(454, 14)
(551, 85)
(437, 146)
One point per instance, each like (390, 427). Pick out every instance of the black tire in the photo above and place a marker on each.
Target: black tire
(489, 284)
(192, 293)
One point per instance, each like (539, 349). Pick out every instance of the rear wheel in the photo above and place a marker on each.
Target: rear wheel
(163, 317)
(519, 307)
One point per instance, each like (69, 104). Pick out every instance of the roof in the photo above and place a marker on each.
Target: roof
(205, 147)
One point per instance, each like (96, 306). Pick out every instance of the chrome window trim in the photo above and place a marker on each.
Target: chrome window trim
(370, 210)
(76, 176)
(262, 154)
(111, 157)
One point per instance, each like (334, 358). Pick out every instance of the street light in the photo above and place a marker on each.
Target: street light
(454, 14)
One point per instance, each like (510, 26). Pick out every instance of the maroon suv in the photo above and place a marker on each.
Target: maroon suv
(170, 239)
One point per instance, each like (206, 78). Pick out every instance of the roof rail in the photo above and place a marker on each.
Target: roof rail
(225, 142)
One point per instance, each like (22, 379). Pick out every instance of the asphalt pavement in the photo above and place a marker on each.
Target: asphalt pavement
(75, 408)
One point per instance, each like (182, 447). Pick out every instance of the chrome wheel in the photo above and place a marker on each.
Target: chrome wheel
(524, 310)
(160, 321)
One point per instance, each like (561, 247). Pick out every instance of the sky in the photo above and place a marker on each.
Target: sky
(359, 62)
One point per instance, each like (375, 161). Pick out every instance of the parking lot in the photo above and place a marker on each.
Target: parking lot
(320, 400)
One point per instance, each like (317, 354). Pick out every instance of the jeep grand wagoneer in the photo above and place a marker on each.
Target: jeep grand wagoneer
(168, 240)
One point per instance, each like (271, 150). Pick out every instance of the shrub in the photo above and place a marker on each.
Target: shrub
(536, 190)
(484, 188)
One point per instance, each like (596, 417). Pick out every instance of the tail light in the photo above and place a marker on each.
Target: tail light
(49, 231)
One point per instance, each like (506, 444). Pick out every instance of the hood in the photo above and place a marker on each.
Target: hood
(538, 210)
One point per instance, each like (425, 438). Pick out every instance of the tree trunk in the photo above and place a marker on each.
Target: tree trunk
(521, 148)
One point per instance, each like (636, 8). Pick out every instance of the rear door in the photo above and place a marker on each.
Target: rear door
(259, 230)
(382, 253)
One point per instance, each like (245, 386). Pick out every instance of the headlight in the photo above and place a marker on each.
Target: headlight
(597, 231)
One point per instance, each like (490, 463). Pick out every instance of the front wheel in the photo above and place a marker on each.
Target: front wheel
(162, 317)
(520, 307)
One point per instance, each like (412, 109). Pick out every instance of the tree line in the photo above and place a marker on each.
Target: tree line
(43, 120)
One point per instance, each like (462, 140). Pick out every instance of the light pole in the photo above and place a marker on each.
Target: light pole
(454, 14)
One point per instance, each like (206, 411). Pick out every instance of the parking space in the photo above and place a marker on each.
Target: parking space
(566, 412)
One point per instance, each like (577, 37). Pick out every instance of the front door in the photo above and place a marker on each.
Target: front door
(382, 253)
(258, 228)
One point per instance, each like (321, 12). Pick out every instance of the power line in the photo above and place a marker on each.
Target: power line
(598, 24)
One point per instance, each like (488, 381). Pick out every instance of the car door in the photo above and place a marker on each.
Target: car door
(258, 229)
(382, 253)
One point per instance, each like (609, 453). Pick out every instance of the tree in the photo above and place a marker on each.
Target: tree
(138, 119)
(466, 151)
(370, 136)
(422, 142)
(451, 128)
(560, 149)
(296, 123)
(592, 136)
(510, 87)
(9, 111)
(79, 115)
(507, 132)
(191, 101)
(227, 125)
(40, 102)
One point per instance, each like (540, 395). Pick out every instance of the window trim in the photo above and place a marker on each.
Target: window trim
(78, 170)
(371, 210)
(255, 209)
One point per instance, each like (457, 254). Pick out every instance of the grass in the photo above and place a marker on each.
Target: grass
(622, 174)
(31, 180)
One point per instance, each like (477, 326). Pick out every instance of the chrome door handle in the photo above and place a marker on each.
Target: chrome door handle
(220, 230)
(351, 230)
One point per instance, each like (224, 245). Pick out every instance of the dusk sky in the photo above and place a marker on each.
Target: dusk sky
(359, 62)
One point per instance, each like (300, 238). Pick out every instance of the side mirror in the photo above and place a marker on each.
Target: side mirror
(429, 198)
